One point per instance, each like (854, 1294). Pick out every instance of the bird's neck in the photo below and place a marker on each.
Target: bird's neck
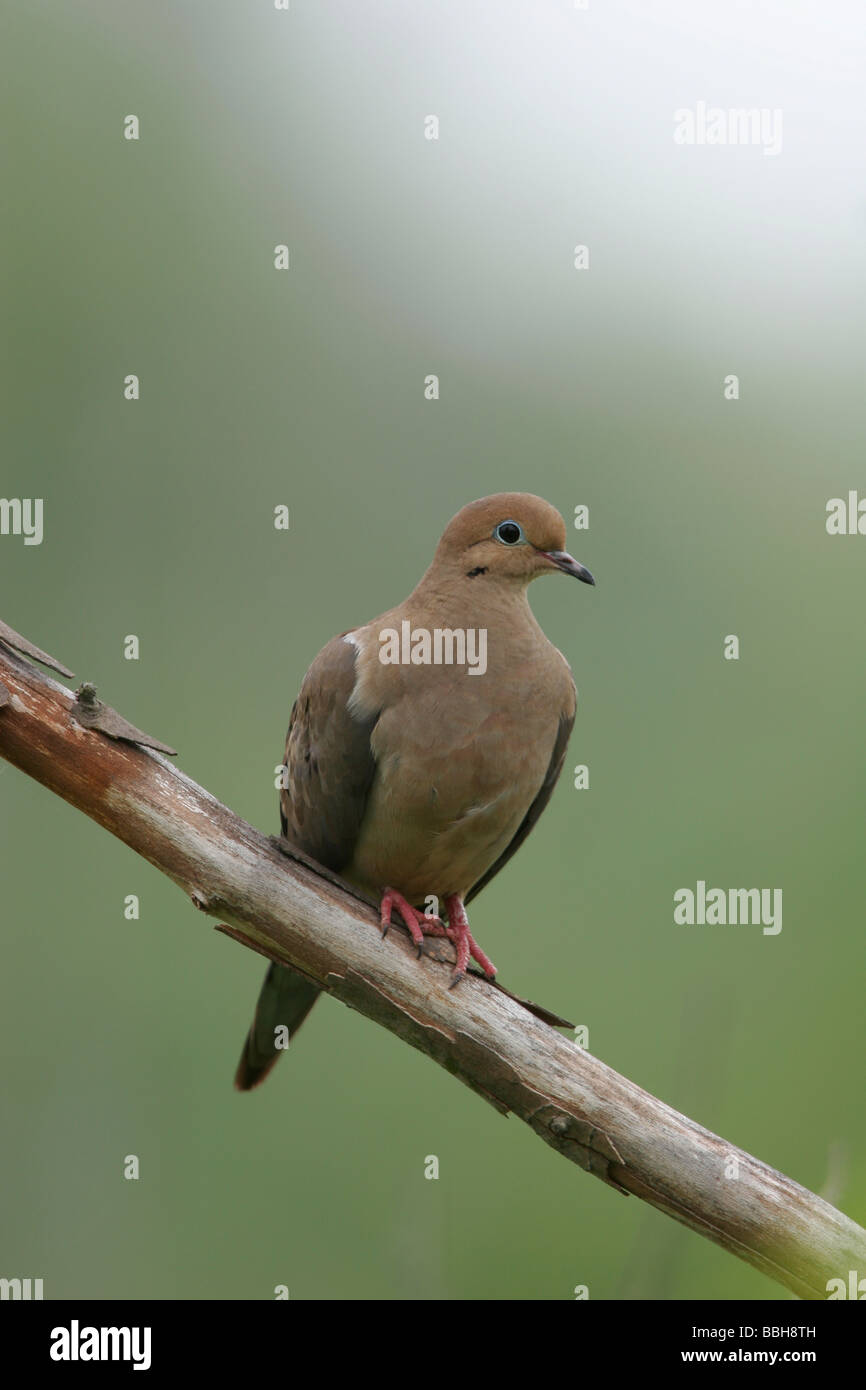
(483, 601)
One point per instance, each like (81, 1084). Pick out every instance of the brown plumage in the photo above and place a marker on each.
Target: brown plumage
(421, 779)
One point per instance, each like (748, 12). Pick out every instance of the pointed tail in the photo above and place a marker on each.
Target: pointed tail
(285, 1000)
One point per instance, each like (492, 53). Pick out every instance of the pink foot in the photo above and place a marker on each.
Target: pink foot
(458, 932)
(418, 923)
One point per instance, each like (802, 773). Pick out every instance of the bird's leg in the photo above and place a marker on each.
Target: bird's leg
(458, 932)
(418, 923)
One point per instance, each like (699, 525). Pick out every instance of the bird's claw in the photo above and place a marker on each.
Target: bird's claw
(421, 924)
(418, 924)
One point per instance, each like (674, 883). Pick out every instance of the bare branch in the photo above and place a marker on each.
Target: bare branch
(276, 902)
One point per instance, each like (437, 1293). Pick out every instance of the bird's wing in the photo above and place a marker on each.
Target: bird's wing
(330, 770)
(329, 760)
(566, 723)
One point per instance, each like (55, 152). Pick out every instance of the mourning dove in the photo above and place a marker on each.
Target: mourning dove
(424, 746)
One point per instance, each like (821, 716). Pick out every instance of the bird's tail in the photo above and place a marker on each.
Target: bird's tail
(284, 1002)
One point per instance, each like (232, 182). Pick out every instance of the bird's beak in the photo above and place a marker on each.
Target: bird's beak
(569, 565)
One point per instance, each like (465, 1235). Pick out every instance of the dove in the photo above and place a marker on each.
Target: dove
(424, 745)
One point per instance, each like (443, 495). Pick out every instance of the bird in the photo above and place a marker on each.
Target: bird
(414, 778)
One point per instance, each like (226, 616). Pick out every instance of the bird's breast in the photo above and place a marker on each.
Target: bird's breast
(454, 779)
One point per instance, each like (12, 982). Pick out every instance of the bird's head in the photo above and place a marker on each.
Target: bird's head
(511, 536)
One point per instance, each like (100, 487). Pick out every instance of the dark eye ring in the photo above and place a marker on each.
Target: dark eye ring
(509, 533)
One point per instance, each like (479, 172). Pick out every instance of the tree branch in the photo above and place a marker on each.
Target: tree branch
(278, 903)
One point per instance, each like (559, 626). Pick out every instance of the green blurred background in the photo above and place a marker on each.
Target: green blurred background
(602, 387)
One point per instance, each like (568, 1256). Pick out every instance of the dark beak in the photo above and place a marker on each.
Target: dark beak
(569, 565)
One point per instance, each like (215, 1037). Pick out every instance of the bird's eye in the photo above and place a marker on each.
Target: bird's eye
(509, 533)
